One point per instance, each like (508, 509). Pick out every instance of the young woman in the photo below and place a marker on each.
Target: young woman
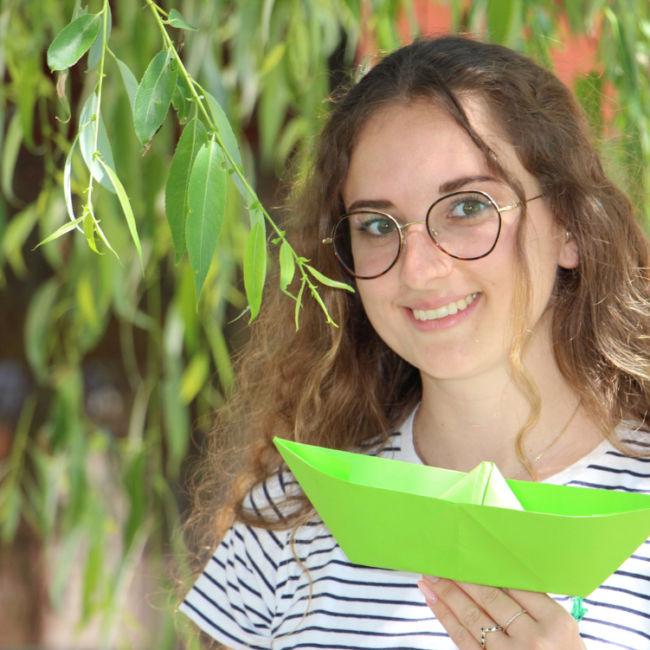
(501, 313)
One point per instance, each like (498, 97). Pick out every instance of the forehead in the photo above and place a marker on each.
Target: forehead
(417, 147)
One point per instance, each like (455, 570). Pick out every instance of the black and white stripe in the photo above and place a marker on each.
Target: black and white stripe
(254, 594)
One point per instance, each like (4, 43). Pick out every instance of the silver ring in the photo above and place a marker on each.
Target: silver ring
(512, 618)
(485, 630)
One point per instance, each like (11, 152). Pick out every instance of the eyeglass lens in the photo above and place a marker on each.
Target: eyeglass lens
(463, 224)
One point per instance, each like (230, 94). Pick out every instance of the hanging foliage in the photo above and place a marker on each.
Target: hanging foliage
(145, 121)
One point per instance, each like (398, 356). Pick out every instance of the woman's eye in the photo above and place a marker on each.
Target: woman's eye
(467, 208)
(377, 226)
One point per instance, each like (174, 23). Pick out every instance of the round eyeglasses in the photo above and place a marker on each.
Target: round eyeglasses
(465, 225)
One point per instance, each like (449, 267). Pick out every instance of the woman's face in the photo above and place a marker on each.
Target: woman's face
(406, 157)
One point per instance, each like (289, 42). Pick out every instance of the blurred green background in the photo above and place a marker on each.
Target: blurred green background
(108, 377)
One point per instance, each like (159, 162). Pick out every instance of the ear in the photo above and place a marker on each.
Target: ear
(569, 255)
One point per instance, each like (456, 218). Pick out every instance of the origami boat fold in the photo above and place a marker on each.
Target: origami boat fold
(476, 527)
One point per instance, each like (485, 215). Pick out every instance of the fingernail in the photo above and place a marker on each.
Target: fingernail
(431, 579)
(429, 596)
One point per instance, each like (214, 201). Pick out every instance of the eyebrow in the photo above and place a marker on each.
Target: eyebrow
(445, 188)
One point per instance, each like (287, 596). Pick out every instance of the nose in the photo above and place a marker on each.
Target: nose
(421, 260)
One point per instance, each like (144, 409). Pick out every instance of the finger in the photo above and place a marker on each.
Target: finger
(539, 606)
(458, 633)
(501, 607)
(553, 622)
(466, 611)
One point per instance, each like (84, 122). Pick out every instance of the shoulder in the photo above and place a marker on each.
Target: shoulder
(274, 498)
(234, 599)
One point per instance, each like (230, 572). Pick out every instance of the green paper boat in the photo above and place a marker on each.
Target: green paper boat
(476, 527)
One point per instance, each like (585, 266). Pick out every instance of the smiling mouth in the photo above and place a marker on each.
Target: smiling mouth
(446, 310)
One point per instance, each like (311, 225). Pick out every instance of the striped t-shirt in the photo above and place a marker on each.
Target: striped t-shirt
(254, 594)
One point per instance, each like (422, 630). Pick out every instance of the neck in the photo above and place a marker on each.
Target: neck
(462, 422)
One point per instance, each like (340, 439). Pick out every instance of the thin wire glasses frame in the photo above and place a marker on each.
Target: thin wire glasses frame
(432, 232)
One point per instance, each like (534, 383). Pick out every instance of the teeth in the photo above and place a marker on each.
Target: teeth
(447, 310)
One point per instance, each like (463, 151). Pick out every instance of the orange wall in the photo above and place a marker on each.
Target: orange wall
(573, 56)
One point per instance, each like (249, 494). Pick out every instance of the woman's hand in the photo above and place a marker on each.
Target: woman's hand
(463, 609)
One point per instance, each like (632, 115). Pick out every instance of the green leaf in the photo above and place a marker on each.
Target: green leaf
(67, 558)
(28, 90)
(303, 284)
(287, 266)
(256, 213)
(87, 125)
(95, 54)
(501, 16)
(225, 129)
(63, 97)
(255, 267)
(316, 296)
(229, 141)
(54, 216)
(73, 41)
(355, 8)
(50, 472)
(126, 207)
(10, 511)
(134, 479)
(38, 327)
(273, 58)
(176, 416)
(10, 155)
(207, 206)
(177, 422)
(195, 376)
(65, 228)
(176, 20)
(194, 137)
(3, 219)
(221, 355)
(626, 55)
(185, 296)
(130, 83)
(11, 501)
(67, 180)
(3, 113)
(267, 10)
(95, 562)
(18, 229)
(272, 112)
(234, 320)
(323, 279)
(296, 130)
(181, 99)
(154, 95)
(89, 232)
(298, 52)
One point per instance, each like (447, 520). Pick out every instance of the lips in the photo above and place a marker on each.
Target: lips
(446, 310)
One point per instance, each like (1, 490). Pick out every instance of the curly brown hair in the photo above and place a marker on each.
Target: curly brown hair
(342, 387)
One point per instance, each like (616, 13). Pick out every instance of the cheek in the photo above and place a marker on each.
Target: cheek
(497, 273)
(373, 298)
(377, 302)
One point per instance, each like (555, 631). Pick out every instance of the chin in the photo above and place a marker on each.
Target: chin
(452, 365)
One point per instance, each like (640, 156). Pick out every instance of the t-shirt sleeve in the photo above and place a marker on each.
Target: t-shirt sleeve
(234, 599)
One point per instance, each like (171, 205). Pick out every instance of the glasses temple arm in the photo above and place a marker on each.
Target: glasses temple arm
(518, 204)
